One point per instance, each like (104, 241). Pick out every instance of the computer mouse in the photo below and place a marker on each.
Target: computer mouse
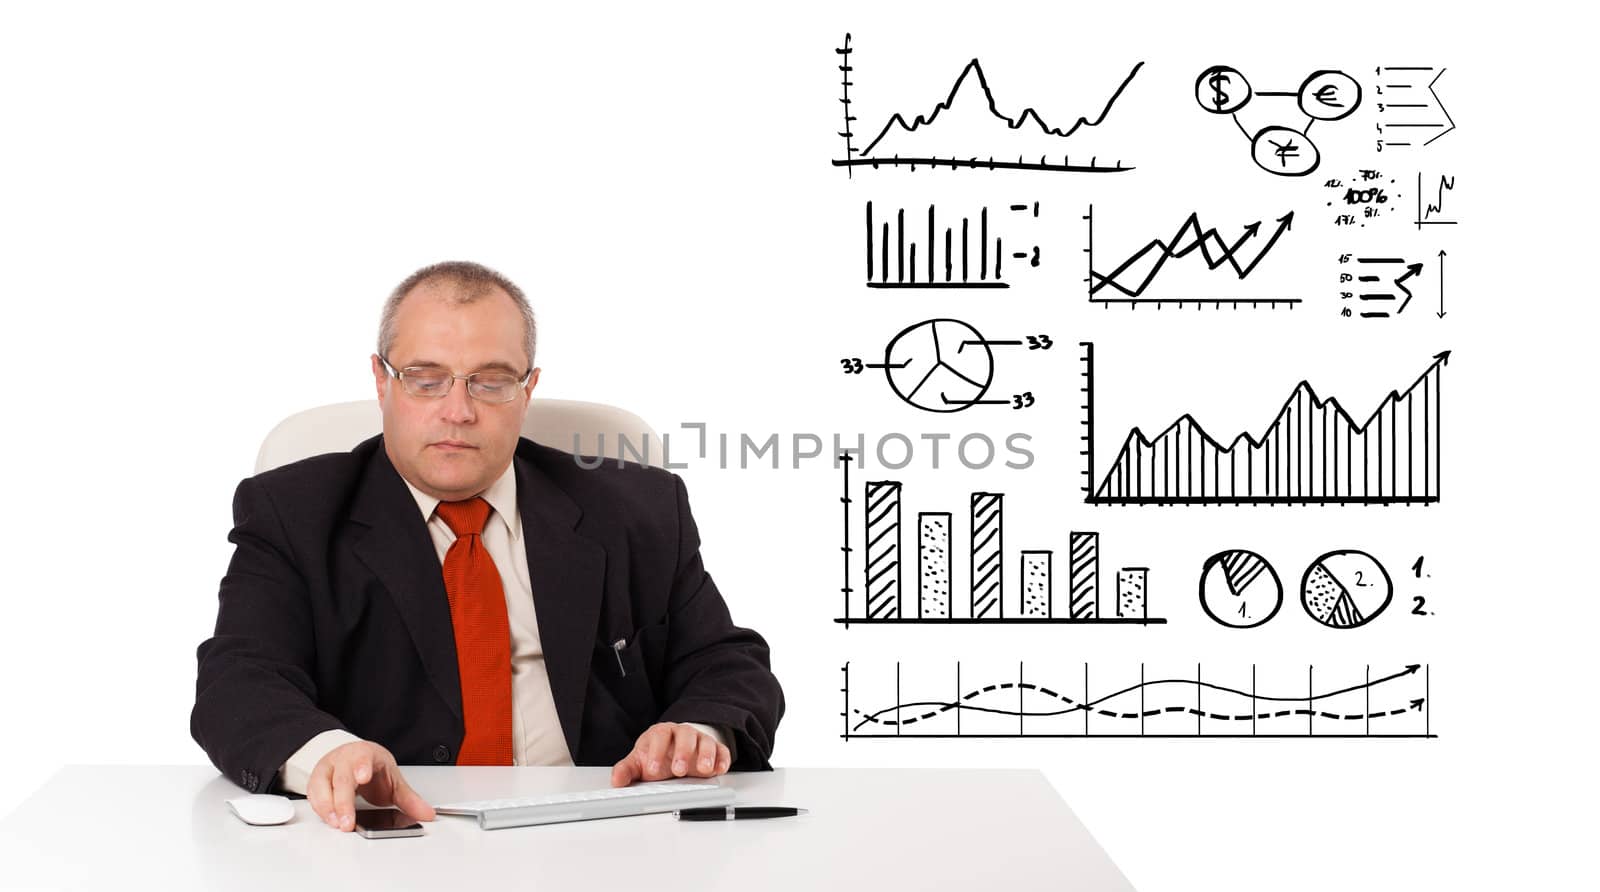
(262, 809)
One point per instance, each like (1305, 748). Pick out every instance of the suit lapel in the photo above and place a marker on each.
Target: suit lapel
(567, 572)
(397, 549)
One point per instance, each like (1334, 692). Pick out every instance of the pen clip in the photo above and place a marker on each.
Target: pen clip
(616, 648)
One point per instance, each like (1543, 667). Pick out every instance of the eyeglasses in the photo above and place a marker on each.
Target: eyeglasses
(433, 383)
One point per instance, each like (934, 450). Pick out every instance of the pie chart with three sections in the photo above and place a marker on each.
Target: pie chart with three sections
(1346, 589)
(941, 365)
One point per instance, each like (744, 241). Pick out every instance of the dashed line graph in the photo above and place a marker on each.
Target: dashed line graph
(1166, 706)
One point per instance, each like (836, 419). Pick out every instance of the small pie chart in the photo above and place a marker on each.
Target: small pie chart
(940, 365)
(1240, 589)
(1346, 589)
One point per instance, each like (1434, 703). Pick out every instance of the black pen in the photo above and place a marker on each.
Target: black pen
(729, 813)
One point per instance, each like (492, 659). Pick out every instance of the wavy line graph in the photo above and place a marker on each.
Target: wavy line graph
(1163, 710)
(894, 721)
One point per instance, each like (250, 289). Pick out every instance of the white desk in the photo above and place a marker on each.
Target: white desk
(885, 828)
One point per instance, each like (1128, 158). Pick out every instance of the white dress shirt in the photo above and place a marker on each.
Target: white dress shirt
(536, 736)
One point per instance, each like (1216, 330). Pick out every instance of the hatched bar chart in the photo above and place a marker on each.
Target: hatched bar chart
(936, 592)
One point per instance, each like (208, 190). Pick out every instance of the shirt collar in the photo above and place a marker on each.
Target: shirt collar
(501, 496)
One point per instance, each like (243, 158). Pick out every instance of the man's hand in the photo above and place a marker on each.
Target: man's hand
(368, 769)
(670, 749)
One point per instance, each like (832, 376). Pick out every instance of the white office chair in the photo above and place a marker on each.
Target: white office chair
(571, 425)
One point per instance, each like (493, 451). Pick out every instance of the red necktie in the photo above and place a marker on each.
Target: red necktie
(483, 636)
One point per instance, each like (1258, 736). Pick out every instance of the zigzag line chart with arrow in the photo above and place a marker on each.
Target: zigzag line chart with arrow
(1165, 707)
(1133, 277)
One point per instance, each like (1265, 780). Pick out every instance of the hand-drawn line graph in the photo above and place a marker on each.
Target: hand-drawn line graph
(978, 149)
(1394, 705)
(1132, 278)
(1311, 453)
(1323, 96)
(1434, 206)
(964, 265)
(1404, 107)
(1346, 589)
(888, 600)
(945, 365)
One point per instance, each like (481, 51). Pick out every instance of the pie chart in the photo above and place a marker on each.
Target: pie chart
(1240, 589)
(940, 365)
(1346, 589)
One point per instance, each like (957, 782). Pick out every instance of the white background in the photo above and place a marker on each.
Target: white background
(201, 211)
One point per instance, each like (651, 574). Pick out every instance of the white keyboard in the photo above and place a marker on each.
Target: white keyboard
(588, 805)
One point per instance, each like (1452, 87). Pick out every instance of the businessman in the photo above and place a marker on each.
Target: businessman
(450, 593)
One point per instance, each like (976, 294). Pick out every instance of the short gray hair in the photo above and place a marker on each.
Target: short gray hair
(474, 281)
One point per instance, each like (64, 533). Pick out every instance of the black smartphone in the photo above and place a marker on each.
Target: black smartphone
(385, 823)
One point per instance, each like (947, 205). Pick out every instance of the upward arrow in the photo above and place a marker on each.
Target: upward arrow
(1414, 269)
(1284, 222)
(1249, 233)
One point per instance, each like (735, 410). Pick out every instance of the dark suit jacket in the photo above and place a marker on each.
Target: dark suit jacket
(333, 615)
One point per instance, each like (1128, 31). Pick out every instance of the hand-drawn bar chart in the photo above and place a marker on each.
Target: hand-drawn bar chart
(929, 593)
(999, 700)
(954, 254)
(1312, 452)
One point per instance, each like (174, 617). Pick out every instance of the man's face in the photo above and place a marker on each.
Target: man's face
(453, 447)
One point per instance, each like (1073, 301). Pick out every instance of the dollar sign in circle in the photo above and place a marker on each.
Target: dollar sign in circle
(1222, 90)
(1219, 95)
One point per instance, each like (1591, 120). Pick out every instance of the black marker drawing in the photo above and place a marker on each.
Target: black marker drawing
(1345, 589)
(889, 601)
(1311, 453)
(1369, 196)
(1430, 207)
(992, 141)
(1128, 281)
(1379, 284)
(1323, 96)
(953, 256)
(1419, 603)
(1366, 200)
(1240, 589)
(945, 365)
(1409, 106)
(1394, 705)
(1441, 283)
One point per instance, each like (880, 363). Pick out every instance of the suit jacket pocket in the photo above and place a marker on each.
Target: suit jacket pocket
(630, 669)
